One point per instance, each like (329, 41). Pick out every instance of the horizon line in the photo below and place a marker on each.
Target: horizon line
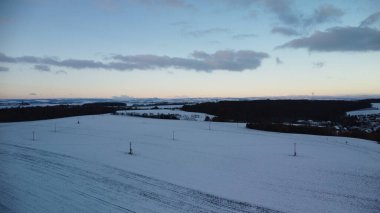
(126, 98)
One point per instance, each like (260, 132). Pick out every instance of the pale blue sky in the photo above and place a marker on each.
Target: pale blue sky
(176, 48)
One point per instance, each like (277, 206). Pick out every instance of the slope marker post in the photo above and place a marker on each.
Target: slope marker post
(130, 148)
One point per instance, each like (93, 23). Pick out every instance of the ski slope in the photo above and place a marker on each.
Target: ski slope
(209, 167)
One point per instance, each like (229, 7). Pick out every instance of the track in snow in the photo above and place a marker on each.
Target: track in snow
(33, 180)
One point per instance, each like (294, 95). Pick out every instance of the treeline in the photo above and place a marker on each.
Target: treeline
(327, 131)
(151, 115)
(278, 110)
(105, 104)
(275, 127)
(60, 111)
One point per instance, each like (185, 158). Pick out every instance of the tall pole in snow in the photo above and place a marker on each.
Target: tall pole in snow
(55, 127)
(295, 149)
(130, 148)
(173, 135)
(33, 136)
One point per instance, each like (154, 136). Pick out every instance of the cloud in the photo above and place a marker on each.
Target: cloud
(229, 60)
(286, 14)
(51, 61)
(183, 24)
(200, 33)
(4, 69)
(243, 36)
(370, 20)
(252, 14)
(323, 14)
(61, 72)
(6, 59)
(176, 4)
(108, 5)
(180, 4)
(42, 68)
(201, 61)
(283, 10)
(339, 39)
(111, 5)
(287, 31)
(279, 61)
(318, 64)
(296, 21)
(200, 55)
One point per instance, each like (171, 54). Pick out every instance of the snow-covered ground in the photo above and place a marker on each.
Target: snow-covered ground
(375, 109)
(85, 167)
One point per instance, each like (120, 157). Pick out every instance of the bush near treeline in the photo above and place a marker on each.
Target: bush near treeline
(60, 111)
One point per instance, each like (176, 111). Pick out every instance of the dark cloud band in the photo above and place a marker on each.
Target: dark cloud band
(4, 69)
(339, 39)
(228, 60)
(285, 31)
(42, 68)
(374, 18)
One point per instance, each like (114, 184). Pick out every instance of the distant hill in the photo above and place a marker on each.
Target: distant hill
(59, 111)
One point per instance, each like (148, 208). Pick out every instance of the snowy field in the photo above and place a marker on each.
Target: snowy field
(228, 168)
(375, 109)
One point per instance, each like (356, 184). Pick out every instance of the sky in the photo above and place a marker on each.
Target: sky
(188, 48)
